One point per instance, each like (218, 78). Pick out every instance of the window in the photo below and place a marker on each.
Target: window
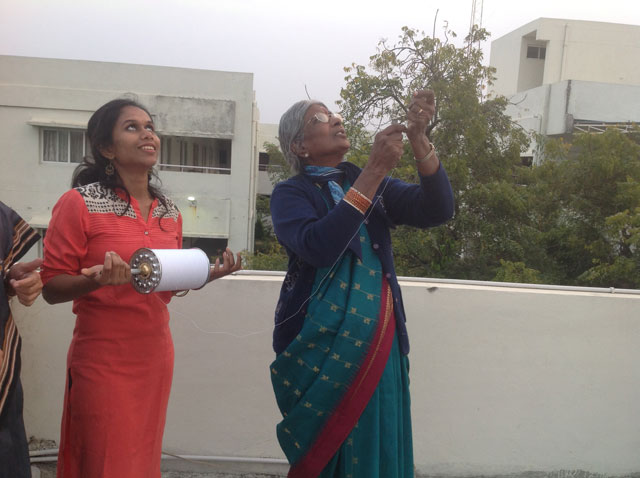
(213, 247)
(223, 158)
(195, 155)
(526, 160)
(537, 52)
(263, 160)
(64, 145)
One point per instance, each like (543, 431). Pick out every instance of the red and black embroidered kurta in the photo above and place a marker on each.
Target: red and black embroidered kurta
(120, 362)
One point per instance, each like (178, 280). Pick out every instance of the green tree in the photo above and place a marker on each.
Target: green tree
(478, 144)
(268, 253)
(279, 169)
(263, 230)
(574, 219)
(588, 208)
(517, 272)
(273, 258)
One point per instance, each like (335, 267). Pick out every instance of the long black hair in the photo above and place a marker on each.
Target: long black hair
(100, 135)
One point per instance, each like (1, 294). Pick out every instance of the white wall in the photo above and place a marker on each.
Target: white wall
(604, 102)
(503, 379)
(531, 72)
(576, 50)
(504, 56)
(552, 109)
(265, 186)
(529, 106)
(595, 51)
(267, 132)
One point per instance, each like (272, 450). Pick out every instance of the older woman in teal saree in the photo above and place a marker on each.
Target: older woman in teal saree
(341, 372)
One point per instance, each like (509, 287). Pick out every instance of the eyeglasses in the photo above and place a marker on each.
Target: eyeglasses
(324, 118)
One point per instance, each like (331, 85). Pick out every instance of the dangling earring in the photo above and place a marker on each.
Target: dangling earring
(109, 169)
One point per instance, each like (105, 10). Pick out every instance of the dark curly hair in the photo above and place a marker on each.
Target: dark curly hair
(100, 134)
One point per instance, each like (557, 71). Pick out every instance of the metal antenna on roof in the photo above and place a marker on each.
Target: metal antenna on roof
(476, 18)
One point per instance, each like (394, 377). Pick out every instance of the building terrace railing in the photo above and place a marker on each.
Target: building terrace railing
(182, 168)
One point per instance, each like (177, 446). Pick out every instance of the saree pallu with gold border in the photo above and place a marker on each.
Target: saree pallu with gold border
(331, 373)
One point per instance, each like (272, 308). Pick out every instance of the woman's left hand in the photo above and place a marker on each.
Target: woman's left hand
(114, 271)
(420, 113)
(229, 265)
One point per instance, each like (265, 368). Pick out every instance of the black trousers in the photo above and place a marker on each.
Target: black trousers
(14, 450)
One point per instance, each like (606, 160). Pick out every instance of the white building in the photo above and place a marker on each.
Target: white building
(208, 121)
(563, 76)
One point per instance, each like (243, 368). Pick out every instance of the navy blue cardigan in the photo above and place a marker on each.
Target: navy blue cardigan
(314, 236)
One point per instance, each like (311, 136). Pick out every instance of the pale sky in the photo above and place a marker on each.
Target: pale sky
(286, 44)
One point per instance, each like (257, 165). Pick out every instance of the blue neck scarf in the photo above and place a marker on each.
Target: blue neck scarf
(330, 175)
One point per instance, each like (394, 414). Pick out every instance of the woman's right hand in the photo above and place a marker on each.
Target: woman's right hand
(385, 153)
(387, 149)
(114, 271)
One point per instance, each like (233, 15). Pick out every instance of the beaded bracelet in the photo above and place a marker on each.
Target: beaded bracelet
(358, 200)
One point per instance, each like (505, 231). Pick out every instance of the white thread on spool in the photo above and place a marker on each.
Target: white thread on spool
(171, 269)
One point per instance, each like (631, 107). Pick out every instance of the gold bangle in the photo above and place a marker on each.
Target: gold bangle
(358, 200)
(429, 155)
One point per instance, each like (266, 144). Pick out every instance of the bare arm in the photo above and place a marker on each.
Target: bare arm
(420, 112)
(387, 147)
(385, 154)
(65, 287)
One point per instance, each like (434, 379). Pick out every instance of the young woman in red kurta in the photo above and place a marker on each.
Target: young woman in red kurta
(120, 362)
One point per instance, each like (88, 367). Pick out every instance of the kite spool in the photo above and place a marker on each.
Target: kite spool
(158, 270)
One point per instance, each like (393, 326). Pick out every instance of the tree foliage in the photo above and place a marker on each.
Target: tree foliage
(268, 253)
(574, 219)
(477, 142)
(588, 209)
(279, 169)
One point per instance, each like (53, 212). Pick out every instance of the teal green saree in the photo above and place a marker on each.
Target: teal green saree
(342, 384)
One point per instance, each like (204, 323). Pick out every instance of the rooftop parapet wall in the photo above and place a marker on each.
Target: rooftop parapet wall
(504, 379)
